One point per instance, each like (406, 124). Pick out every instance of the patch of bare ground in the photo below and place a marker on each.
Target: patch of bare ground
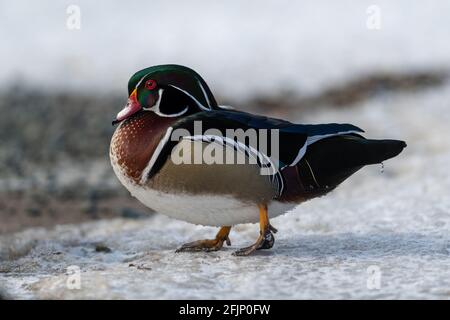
(349, 93)
(22, 210)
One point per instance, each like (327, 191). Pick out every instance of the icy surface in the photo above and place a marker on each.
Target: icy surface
(396, 222)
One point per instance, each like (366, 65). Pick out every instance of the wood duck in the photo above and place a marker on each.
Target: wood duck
(158, 127)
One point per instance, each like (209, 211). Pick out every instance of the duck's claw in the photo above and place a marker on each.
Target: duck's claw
(265, 239)
(268, 241)
(209, 244)
(272, 228)
(201, 245)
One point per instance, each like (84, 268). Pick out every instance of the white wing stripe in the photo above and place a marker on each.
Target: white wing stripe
(276, 177)
(235, 144)
(313, 139)
(155, 155)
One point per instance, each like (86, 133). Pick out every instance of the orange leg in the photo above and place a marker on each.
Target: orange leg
(265, 239)
(209, 244)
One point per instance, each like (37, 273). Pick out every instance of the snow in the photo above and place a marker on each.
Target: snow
(395, 222)
(241, 49)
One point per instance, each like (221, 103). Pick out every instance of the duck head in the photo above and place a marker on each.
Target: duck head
(167, 90)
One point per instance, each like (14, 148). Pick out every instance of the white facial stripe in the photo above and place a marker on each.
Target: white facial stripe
(185, 92)
(156, 110)
(204, 93)
(155, 107)
(172, 115)
(195, 100)
(140, 81)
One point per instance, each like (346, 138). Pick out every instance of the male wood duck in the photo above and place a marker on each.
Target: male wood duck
(165, 105)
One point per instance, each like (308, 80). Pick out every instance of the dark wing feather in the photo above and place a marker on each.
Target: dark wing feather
(292, 137)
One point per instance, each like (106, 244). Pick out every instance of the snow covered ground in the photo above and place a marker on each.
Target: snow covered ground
(395, 223)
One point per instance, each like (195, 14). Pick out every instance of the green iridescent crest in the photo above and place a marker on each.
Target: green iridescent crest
(176, 76)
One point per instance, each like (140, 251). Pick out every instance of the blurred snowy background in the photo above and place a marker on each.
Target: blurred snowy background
(382, 65)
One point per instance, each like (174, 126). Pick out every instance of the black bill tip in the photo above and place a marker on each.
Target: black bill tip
(114, 122)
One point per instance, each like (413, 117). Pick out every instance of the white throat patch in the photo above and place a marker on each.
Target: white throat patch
(156, 109)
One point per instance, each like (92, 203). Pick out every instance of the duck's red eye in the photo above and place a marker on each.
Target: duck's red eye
(150, 84)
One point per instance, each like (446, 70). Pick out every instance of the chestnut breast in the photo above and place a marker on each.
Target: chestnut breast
(135, 140)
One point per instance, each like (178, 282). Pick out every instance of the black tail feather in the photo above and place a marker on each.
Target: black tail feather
(335, 159)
